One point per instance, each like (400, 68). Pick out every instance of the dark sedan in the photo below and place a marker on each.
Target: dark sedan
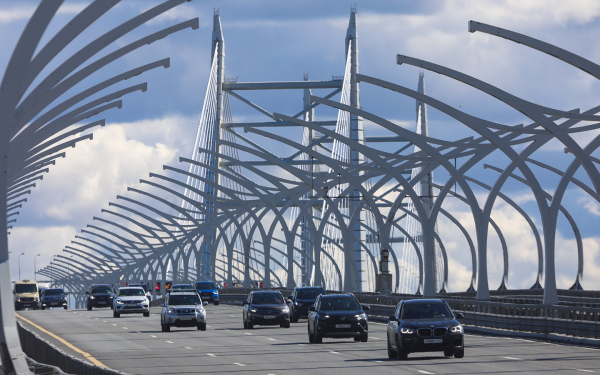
(337, 316)
(99, 296)
(266, 308)
(53, 298)
(301, 299)
(424, 325)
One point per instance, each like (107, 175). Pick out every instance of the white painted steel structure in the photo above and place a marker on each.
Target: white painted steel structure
(332, 206)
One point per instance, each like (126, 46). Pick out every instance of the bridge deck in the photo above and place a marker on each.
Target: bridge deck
(136, 345)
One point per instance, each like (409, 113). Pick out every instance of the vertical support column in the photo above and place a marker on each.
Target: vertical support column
(426, 189)
(305, 239)
(218, 47)
(357, 134)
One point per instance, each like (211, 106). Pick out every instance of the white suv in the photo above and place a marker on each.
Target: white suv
(131, 300)
(183, 309)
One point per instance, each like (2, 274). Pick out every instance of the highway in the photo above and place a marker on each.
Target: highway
(136, 345)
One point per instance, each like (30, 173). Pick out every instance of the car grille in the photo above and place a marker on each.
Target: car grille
(440, 331)
(206, 294)
(131, 307)
(424, 332)
(266, 311)
(101, 298)
(185, 311)
(27, 299)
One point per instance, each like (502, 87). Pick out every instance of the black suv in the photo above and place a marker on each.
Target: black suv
(302, 298)
(99, 295)
(265, 308)
(53, 298)
(424, 325)
(337, 316)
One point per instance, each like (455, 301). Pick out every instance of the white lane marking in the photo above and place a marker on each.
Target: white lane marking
(239, 364)
(526, 340)
(152, 336)
(233, 316)
(210, 355)
(376, 338)
(331, 351)
(589, 348)
(124, 327)
(425, 372)
(271, 339)
(207, 326)
(170, 342)
(114, 324)
(513, 358)
(95, 318)
(87, 316)
(104, 321)
(248, 333)
(582, 370)
(301, 344)
(187, 347)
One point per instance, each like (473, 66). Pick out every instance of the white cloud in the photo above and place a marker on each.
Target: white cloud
(590, 204)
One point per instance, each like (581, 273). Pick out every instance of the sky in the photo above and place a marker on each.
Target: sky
(276, 41)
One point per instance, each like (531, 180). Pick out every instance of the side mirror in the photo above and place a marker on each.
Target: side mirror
(365, 308)
(204, 303)
(392, 318)
(288, 301)
(66, 294)
(245, 303)
(87, 292)
(459, 316)
(312, 308)
(162, 304)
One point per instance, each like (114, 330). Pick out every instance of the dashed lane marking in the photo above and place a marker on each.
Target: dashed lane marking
(104, 321)
(124, 327)
(248, 333)
(332, 352)
(239, 364)
(85, 354)
(152, 336)
(583, 370)
(425, 372)
(513, 358)
(187, 347)
(210, 355)
(271, 339)
(170, 342)
(114, 324)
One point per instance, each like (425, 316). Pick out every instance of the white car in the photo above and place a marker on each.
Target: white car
(183, 309)
(131, 300)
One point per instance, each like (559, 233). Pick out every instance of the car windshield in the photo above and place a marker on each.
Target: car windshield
(425, 310)
(131, 292)
(25, 288)
(206, 286)
(267, 299)
(187, 299)
(104, 289)
(143, 286)
(339, 303)
(311, 294)
(54, 292)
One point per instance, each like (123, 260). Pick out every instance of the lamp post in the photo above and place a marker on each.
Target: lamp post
(52, 271)
(35, 267)
(20, 265)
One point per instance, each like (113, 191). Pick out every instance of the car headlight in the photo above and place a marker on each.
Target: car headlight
(458, 328)
(285, 309)
(35, 299)
(361, 316)
(19, 300)
(406, 331)
(119, 302)
(252, 310)
(199, 311)
(323, 316)
(92, 297)
(171, 311)
(215, 292)
(298, 303)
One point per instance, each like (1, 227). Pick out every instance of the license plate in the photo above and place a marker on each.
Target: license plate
(343, 325)
(432, 341)
(270, 317)
(185, 318)
(102, 303)
(55, 304)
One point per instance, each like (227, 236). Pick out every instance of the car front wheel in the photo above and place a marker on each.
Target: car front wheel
(201, 326)
(459, 354)
(400, 354)
(116, 314)
(391, 352)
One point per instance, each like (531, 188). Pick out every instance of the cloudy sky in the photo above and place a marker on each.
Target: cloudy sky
(275, 41)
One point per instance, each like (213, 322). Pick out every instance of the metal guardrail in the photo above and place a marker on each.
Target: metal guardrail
(44, 352)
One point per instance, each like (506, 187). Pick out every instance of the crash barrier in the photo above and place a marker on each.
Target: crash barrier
(42, 351)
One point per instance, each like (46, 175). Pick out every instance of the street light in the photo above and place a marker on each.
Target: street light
(52, 270)
(20, 265)
(35, 267)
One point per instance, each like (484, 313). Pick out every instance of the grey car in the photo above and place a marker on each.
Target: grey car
(183, 309)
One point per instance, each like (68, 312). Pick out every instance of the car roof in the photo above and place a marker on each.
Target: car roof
(100, 285)
(336, 295)
(184, 293)
(411, 301)
(131, 287)
(309, 287)
(181, 285)
(53, 289)
(265, 291)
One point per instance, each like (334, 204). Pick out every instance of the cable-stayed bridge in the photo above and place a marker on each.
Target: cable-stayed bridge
(297, 199)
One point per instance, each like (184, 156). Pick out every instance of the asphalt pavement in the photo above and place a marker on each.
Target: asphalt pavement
(136, 345)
